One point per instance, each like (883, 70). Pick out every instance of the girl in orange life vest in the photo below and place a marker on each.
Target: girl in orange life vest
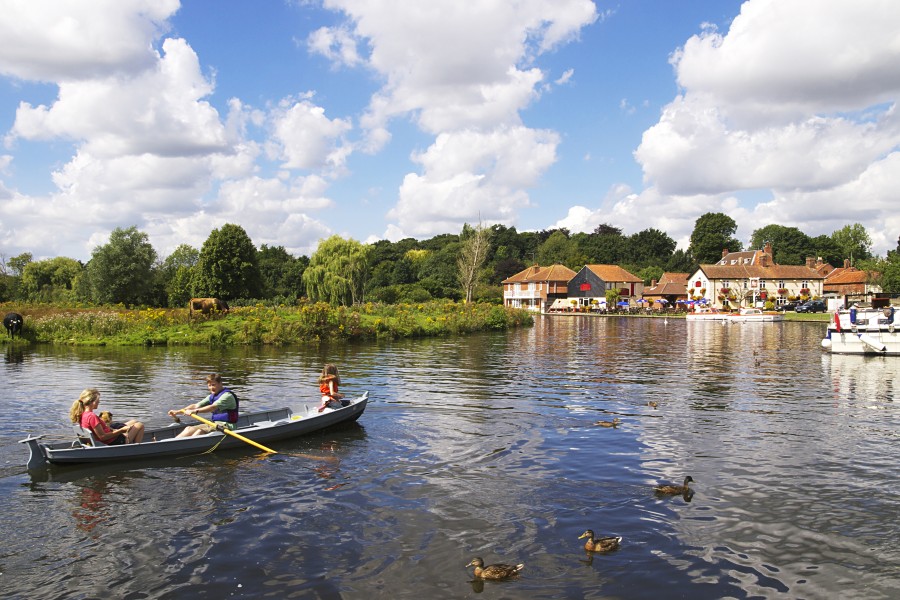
(329, 381)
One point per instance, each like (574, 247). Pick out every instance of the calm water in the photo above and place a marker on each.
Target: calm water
(477, 446)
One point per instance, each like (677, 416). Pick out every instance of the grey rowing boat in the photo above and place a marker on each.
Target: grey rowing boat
(263, 426)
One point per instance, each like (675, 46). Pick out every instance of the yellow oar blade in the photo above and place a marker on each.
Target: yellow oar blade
(237, 435)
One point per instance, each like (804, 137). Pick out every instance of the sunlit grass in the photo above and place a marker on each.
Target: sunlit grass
(262, 325)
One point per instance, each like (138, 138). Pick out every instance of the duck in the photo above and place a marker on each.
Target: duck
(653, 404)
(672, 490)
(614, 423)
(602, 544)
(497, 571)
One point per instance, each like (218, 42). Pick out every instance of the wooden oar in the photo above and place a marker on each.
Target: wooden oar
(233, 434)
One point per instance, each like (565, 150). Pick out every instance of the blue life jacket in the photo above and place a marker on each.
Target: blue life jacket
(229, 416)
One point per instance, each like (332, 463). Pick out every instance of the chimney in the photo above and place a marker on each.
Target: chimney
(846, 263)
(764, 260)
(724, 252)
(810, 262)
(768, 248)
(652, 283)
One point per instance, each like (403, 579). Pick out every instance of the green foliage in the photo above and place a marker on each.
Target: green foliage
(560, 249)
(51, 280)
(18, 263)
(281, 273)
(176, 272)
(122, 270)
(789, 245)
(854, 241)
(262, 325)
(713, 232)
(227, 267)
(338, 271)
(648, 274)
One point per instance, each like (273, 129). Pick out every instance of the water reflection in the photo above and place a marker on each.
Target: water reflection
(481, 446)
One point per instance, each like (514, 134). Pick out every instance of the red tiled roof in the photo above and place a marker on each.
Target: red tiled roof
(674, 278)
(538, 273)
(845, 276)
(667, 289)
(743, 271)
(613, 273)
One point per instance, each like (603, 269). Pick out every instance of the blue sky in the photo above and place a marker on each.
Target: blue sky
(385, 119)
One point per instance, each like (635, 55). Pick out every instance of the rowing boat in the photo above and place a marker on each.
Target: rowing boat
(263, 427)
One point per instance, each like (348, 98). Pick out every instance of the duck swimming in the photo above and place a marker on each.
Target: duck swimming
(614, 423)
(602, 544)
(673, 490)
(495, 572)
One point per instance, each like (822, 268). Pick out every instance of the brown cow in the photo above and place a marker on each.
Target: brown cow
(206, 306)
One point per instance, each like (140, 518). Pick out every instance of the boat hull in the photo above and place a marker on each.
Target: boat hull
(261, 427)
(868, 331)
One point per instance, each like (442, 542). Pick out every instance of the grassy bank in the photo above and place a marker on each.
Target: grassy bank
(261, 325)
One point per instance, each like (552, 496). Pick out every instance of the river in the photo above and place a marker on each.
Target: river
(475, 446)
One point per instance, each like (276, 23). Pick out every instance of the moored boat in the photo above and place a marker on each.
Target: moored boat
(863, 331)
(755, 315)
(261, 427)
(707, 314)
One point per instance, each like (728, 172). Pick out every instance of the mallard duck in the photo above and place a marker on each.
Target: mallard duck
(653, 404)
(498, 571)
(603, 544)
(614, 423)
(672, 490)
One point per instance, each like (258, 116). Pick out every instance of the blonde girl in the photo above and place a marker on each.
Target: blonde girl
(82, 412)
(329, 381)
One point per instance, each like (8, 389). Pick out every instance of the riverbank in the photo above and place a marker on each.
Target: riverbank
(260, 325)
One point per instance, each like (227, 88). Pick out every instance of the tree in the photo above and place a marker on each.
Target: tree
(789, 245)
(681, 262)
(854, 241)
(122, 270)
(889, 273)
(18, 263)
(51, 280)
(559, 249)
(712, 233)
(605, 245)
(227, 267)
(475, 245)
(650, 247)
(338, 271)
(281, 273)
(177, 272)
(824, 247)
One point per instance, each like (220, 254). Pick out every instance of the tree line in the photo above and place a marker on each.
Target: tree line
(468, 266)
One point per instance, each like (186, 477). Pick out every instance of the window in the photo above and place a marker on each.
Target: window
(585, 287)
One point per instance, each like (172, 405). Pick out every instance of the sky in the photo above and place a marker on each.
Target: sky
(389, 119)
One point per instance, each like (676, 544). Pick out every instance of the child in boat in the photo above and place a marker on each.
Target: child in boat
(329, 381)
(221, 402)
(82, 412)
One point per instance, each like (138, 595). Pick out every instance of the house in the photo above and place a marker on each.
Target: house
(536, 287)
(671, 288)
(850, 285)
(752, 278)
(589, 286)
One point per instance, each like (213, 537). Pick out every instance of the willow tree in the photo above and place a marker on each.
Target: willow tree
(338, 271)
(475, 245)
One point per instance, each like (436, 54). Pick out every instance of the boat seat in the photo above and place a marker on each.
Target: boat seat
(86, 437)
